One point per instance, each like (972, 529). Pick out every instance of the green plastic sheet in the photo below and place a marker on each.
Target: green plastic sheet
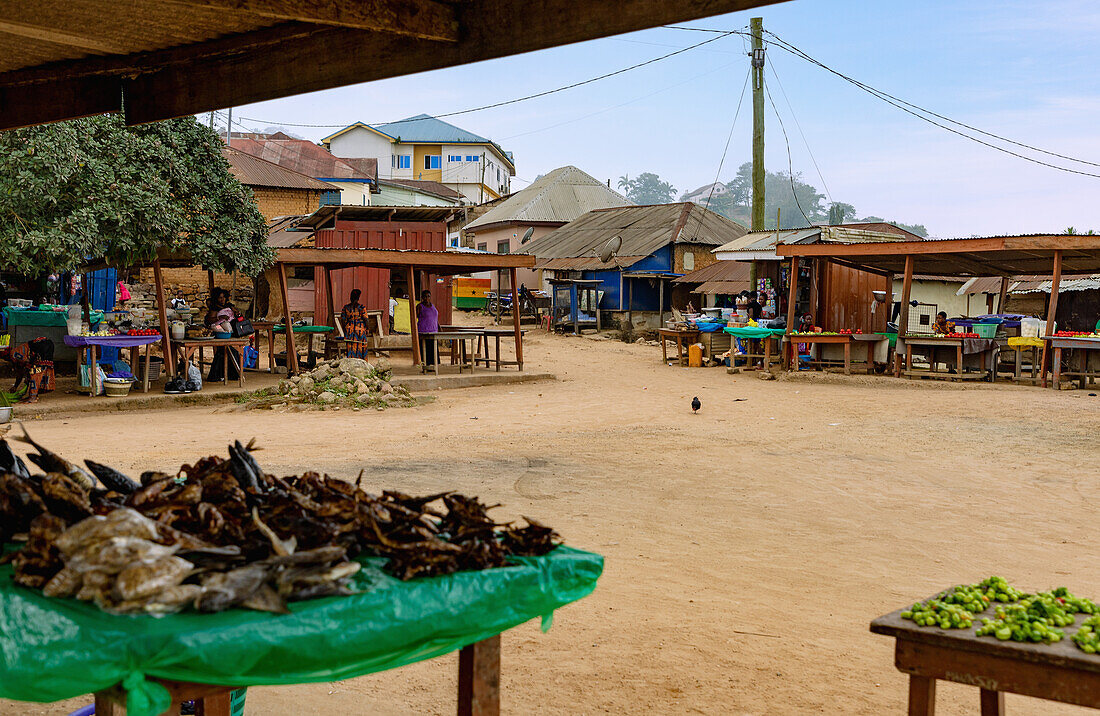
(32, 317)
(304, 329)
(754, 332)
(52, 649)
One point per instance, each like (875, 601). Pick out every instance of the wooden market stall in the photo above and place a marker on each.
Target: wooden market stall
(408, 262)
(1004, 256)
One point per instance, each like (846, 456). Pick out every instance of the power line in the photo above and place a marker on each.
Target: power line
(518, 99)
(934, 114)
(623, 104)
(790, 164)
(905, 107)
(799, 126)
(725, 149)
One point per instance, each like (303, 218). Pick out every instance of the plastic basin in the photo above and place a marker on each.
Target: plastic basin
(985, 330)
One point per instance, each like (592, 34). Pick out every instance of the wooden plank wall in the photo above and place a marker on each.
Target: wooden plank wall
(375, 283)
(844, 299)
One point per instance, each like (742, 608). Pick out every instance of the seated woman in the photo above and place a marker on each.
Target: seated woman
(34, 364)
(942, 326)
(219, 314)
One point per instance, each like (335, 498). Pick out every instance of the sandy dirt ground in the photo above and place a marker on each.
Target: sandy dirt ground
(747, 547)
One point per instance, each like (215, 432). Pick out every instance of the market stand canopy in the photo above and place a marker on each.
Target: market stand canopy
(990, 256)
(157, 59)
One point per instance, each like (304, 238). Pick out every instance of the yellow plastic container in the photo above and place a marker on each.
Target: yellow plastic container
(695, 355)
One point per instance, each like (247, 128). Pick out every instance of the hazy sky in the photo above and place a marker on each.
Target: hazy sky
(1024, 70)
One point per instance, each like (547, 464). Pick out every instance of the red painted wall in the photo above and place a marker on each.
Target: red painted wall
(375, 283)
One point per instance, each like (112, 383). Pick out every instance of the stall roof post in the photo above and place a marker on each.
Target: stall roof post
(903, 318)
(792, 299)
(1052, 310)
(516, 320)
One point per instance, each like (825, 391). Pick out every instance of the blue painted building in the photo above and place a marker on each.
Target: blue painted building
(659, 243)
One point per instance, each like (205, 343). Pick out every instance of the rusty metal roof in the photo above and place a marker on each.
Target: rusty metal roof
(305, 157)
(254, 171)
(558, 197)
(422, 185)
(644, 230)
(281, 232)
(326, 214)
(718, 271)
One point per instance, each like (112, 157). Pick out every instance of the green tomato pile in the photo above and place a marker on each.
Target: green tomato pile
(936, 612)
(1087, 637)
(1035, 618)
(998, 590)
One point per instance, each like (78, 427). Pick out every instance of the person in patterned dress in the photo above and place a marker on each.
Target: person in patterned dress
(354, 315)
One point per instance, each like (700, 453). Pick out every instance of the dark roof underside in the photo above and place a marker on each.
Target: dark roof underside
(61, 59)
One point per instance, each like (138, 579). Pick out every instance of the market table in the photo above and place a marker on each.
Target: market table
(271, 328)
(962, 347)
(764, 335)
(1056, 672)
(25, 324)
(53, 649)
(481, 349)
(465, 358)
(683, 336)
(94, 343)
(1019, 344)
(1085, 345)
(187, 347)
(847, 340)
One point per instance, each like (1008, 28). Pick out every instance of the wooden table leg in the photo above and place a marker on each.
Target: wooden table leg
(498, 352)
(1057, 367)
(767, 353)
(993, 703)
(435, 353)
(871, 356)
(309, 348)
(664, 350)
(479, 678)
(271, 350)
(1019, 362)
(104, 706)
(225, 366)
(145, 381)
(908, 357)
(922, 696)
(214, 705)
(847, 358)
(959, 361)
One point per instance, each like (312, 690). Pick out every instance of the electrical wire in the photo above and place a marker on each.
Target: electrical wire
(623, 104)
(733, 124)
(517, 99)
(803, 134)
(790, 164)
(915, 111)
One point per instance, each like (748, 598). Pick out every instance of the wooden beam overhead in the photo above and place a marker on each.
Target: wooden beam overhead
(423, 19)
(81, 41)
(304, 55)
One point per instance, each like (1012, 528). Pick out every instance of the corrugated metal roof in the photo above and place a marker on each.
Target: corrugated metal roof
(428, 187)
(711, 288)
(760, 240)
(426, 128)
(1032, 284)
(644, 230)
(560, 196)
(280, 234)
(718, 271)
(307, 158)
(254, 171)
(883, 227)
(587, 263)
(379, 213)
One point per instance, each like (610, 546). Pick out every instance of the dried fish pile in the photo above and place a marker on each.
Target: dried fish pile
(222, 533)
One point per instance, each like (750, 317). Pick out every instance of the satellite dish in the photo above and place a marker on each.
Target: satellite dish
(610, 248)
(527, 235)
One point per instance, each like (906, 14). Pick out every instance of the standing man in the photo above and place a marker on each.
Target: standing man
(427, 321)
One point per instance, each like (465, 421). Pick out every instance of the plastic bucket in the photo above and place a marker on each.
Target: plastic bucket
(985, 330)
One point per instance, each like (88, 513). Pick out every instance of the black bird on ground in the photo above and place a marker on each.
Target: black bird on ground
(695, 404)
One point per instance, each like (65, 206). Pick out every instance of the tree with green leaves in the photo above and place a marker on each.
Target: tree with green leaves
(839, 212)
(95, 188)
(647, 188)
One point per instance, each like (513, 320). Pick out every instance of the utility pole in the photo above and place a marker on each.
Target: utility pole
(229, 133)
(756, 26)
